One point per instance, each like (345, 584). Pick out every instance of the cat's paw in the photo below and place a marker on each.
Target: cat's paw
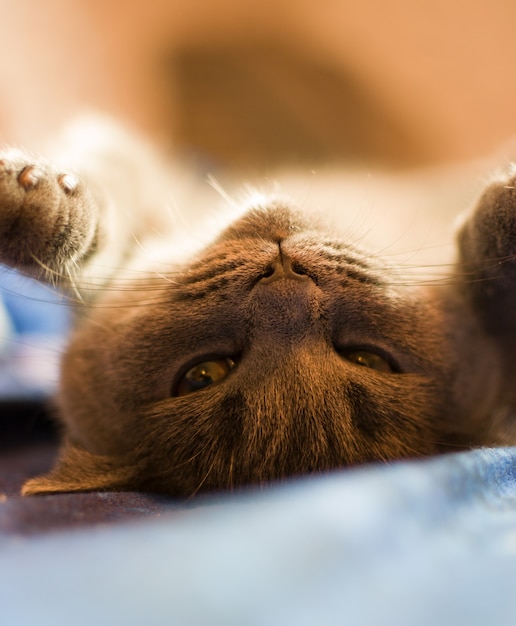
(47, 216)
(486, 268)
(487, 236)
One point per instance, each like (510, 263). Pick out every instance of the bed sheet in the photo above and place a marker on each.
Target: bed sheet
(421, 542)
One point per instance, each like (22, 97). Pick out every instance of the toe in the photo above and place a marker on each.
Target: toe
(29, 177)
(68, 183)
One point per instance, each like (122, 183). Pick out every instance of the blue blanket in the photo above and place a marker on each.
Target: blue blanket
(429, 542)
(34, 321)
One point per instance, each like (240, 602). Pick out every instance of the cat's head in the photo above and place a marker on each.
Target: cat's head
(279, 350)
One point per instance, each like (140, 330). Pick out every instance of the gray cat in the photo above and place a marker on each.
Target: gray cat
(277, 348)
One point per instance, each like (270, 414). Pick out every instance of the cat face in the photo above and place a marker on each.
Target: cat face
(278, 351)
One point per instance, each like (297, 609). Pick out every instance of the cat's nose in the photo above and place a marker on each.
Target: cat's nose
(285, 303)
(284, 268)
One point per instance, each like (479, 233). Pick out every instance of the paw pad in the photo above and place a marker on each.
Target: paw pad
(29, 177)
(68, 183)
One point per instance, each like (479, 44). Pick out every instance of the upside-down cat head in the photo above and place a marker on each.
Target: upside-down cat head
(279, 350)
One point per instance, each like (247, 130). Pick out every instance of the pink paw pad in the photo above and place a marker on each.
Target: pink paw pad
(68, 183)
(29, 177)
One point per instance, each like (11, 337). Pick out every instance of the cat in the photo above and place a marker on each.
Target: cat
(271, 346)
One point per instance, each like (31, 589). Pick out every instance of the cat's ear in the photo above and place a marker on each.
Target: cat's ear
(80, 470)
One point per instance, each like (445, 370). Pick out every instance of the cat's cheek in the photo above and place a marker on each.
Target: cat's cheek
(90, 394)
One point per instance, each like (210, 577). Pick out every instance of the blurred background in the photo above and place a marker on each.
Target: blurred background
(396, 83)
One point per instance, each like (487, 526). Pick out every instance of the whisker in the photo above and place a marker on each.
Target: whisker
(206, 476)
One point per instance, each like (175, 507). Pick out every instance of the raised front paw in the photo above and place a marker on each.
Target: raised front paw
(486, 269)
(47, 217)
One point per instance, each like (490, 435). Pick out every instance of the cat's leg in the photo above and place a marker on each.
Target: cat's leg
(486, 277)
(487, 274)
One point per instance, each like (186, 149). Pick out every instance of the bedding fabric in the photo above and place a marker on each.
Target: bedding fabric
(420, 542)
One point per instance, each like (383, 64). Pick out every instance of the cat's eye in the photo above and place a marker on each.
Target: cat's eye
(203, 374)
(371, 360)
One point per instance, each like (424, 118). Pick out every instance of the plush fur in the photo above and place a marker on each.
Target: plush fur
(266, 346)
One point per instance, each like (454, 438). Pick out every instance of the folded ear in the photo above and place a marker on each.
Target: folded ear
(80, 470)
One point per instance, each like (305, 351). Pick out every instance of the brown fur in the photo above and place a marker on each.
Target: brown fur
(288, 300)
